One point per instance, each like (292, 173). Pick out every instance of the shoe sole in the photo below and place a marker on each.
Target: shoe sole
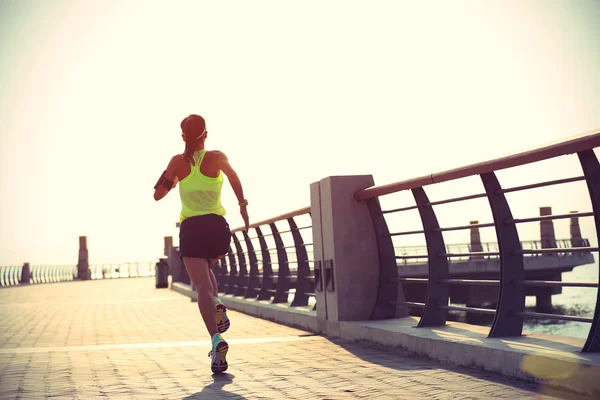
(219, 362)
(222, 320)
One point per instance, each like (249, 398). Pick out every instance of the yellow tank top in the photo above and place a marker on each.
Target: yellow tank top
(200, 194)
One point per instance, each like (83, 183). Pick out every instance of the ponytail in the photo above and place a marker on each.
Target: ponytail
(194, 128)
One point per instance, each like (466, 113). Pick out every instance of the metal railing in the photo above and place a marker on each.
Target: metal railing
(509, 313)
(53, 273)
(10, 275)
(34, 274)
(123, 270)
(13, 275)
(271, 261)
(489, 250)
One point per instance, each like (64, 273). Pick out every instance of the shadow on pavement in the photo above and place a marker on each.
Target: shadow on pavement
(400, 360)
(215, 390)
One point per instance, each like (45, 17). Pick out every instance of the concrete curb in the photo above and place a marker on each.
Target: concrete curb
(297, 317)
(545, 359)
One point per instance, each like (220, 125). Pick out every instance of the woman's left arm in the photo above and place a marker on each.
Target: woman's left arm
(167, 181)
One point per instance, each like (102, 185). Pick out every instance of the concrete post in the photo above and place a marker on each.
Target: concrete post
(543, 297)
(346, 255)
(175, 264)
(168, 245)
(576, 239)
(547, 235)
(25, 274)
(83, 266)
(475, 241)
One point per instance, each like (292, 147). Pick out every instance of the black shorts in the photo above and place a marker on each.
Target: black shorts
(204, 236)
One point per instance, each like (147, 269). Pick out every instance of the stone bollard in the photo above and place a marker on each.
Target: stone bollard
(346, 253)
(475, 241)
(25, 274)
(83, 266)
(576, 239)
(176, 267)
(547, 235)
(168, 245)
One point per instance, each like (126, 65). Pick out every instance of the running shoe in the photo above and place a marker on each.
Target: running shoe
(222, 319)
(218, 354)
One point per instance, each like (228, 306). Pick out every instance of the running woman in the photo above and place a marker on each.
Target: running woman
(204, 234)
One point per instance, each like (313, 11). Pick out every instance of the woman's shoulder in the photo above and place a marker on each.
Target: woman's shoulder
(215, 153)
(178, 158)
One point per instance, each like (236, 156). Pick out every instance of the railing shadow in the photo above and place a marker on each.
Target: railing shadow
(398, 360)
(215, 390)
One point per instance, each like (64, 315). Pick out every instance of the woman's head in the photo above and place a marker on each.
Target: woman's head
(193, 128)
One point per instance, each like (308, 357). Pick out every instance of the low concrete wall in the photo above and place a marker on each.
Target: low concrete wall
(547, 359)
(297, 317)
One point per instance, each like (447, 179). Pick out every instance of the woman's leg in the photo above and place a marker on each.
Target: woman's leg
(199, 272)
(223, 322)
(213, 278)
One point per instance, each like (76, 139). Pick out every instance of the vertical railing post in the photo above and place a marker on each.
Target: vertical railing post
(508, 320)
(223, 276)
(243, 271)
(253, 282)
(302, 279)
(390, 296)
(266, 286)
(232, 282)
(591, 170)
(283, 271)
(438, 292)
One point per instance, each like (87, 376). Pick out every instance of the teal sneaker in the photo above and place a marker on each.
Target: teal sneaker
(222, 319)
(218, 354)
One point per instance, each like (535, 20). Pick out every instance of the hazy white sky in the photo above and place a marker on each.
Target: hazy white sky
(92, 94)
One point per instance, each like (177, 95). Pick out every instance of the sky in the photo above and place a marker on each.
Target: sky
(92, 94)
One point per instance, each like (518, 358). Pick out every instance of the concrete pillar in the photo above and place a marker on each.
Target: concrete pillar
(83, 266)
(176, 266)
(475, 241)
(547, 235)
(346, 254)
(576, 239)
(543, 303)
(168, 245)
(25, 274)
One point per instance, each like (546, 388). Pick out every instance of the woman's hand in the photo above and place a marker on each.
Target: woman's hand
(244, 212)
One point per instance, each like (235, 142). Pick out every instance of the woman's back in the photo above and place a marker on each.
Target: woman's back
(200, 184)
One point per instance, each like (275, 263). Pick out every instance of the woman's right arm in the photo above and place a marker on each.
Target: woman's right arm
(224, 165)
(167, 181)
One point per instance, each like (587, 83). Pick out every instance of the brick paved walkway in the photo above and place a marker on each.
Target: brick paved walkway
(124, 339)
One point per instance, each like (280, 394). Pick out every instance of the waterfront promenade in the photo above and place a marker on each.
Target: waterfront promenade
(124, 339)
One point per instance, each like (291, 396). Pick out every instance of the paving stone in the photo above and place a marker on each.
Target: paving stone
(124, 339)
